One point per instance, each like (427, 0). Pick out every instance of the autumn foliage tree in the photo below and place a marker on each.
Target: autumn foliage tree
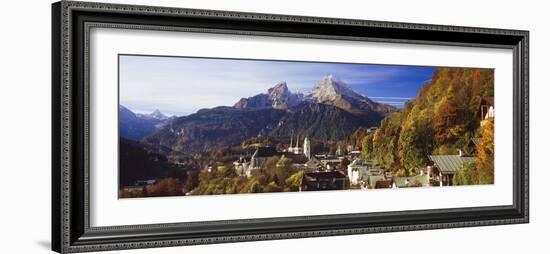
(440, 120)
(485, 159)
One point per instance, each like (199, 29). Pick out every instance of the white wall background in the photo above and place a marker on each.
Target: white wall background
(25, 129)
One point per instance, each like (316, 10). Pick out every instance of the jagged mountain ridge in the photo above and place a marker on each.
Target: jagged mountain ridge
(331, 111)
(335, 92)
(136, 126)
(329, 90)
(156, 114)
(214, 128)
(278, 97)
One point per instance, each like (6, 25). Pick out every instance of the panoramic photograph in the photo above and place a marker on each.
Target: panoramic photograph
(211, 126)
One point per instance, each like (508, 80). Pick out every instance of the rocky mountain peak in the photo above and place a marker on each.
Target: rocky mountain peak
(329, 88)
(156, 114)
(280, 90)
(278, 97)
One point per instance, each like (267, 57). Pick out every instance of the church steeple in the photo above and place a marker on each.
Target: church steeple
(307, 148)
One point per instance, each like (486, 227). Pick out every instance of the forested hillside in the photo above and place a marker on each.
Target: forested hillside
(440, 120)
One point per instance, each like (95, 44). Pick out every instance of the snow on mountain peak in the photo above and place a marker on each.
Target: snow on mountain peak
(156, 114)
(279, 91)
(329, 88)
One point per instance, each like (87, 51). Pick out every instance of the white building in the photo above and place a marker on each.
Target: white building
(307, 148)
(295, 148)
(357, 171)
(360, 170)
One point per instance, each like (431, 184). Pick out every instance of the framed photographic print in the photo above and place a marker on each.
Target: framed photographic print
(181, 126)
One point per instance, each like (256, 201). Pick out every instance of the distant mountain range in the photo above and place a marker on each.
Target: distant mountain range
(330, 111)
(136, 126)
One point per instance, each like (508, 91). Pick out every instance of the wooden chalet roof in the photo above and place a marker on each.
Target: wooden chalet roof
(449, 164)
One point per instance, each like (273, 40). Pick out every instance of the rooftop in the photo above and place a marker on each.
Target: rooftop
(449, 164)
(411, 181)
(265, 152)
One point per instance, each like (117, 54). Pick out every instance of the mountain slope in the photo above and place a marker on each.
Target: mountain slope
(139, 163)
(214, 128)
(320, 121)
(134, 126)
(154, 115)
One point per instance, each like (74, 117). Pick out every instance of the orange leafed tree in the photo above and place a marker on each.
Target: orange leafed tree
(485, 160)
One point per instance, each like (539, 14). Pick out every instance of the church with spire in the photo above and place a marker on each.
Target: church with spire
(295, 148)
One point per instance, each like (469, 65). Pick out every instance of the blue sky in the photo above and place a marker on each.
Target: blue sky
(181, 85)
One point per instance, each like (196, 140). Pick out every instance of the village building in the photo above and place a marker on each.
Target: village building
(259, 157)
(298, 160)
(442, 168)
(422, 180)
(486, 110)
(307, 148)
(313, 164)
(349, 148)
(339, 151)
(323, 180)
(372, 129)
(241, 165)
(355, 154)
(331, 159)
(384, 184)
(359, 171)
(299, 156)
(373, 181)
(295, 148)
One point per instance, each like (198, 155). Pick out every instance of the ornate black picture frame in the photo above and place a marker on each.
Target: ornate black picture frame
(71, 230)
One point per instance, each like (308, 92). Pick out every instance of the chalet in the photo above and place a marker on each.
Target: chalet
(442, 168)
(421, 180)
(486, 109)
(360, 170)
(331, 180)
